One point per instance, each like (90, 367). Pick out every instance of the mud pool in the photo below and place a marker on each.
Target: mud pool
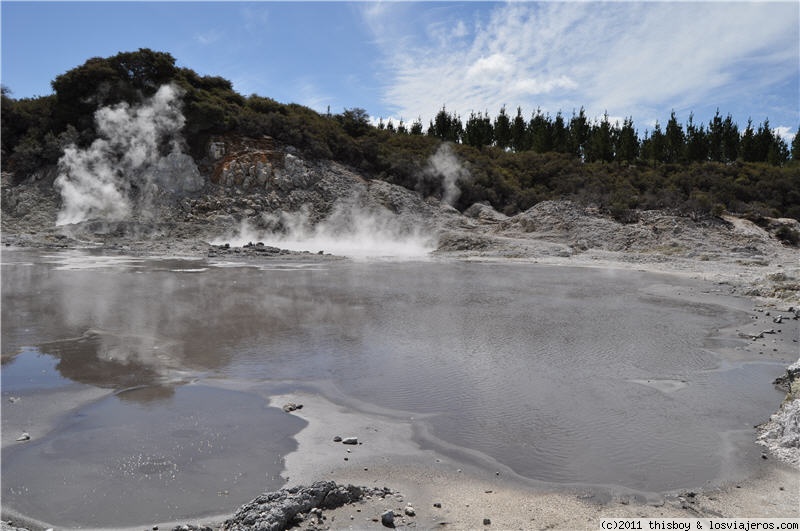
(567, 376)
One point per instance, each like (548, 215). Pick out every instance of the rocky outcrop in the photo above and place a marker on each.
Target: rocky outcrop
(279, 510)
(781, 434)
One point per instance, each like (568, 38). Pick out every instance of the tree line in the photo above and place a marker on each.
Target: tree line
(602, 141)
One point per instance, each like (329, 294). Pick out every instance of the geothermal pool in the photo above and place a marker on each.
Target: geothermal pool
(566, 376)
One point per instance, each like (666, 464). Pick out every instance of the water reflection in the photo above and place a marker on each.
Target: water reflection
(540, 369)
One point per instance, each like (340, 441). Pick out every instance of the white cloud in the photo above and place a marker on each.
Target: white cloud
(638, 59)
(208, 37)
(785, 133)
(486, 68)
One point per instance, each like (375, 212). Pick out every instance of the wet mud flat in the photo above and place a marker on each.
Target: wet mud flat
(578, 378)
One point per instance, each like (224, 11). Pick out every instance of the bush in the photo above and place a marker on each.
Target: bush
(788, 236)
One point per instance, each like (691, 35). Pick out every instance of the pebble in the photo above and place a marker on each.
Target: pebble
(24, 437)
(486, 521)
(350, 440)
(337, 439)
(437, 505)
(409, 510)
(387, 518)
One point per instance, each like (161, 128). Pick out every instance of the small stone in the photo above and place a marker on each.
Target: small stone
(291, 406)
(337, 439)
(409, 511)
(387, 518)
(486, 521)
(763, 456)
(24, 437)
(437, 505)
(350, 440)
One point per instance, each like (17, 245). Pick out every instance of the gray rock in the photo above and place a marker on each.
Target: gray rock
(350, 440)
(387, 519)
(276, 511)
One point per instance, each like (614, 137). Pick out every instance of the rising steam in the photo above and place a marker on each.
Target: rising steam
(126, 168)
(351, 229)
(445, 165)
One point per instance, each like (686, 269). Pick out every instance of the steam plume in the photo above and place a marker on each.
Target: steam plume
(445, 165)
(98, 182)
(352, 229)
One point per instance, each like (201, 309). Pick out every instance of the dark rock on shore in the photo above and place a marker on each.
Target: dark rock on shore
(279, 510)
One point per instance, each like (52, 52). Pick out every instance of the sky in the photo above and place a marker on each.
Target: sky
(406, 60)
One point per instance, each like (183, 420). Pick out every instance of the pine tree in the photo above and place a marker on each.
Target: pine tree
(747, 145)
(715, 137)
(519, 133)
(696, 142)
(796, 145)
(540, 129)
(578, 133)
(479, 131)
(600, 146)
(764, 140)
(502, 129)
(730, 139)
(657, 145)
(446, 126)
(627, 145)
(674, 141)
(560, 136)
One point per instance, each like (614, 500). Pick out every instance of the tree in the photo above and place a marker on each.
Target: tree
(657, 144)
(127, 76)
(479, 131)
(540, 131)
(715, 138)
(696, 141)
(747, 146)
(355, 122)
(730, 139)
(627, 144)
(674, 141)
(446, 127)
(502, 129)
(600, 146)
(519, 133)
(560, 135)
(578, 133)
(416, 127)
(796, 145)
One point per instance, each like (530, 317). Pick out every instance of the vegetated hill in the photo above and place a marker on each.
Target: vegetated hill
(512, 165)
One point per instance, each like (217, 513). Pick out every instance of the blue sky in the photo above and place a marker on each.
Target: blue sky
(406, 59)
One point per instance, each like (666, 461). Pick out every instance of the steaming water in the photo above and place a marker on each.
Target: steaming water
(566, 376)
